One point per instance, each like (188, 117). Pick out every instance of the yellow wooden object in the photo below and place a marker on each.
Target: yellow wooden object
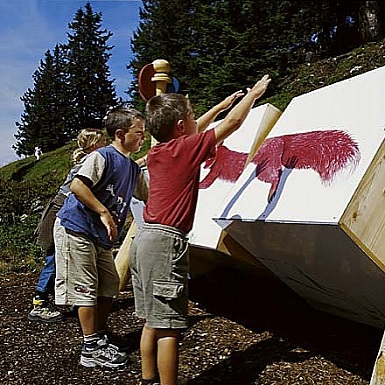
(161, 78)
(122, 258)
(364, 217)
(268, 121)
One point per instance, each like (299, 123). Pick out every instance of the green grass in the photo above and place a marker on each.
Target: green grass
(53, 164)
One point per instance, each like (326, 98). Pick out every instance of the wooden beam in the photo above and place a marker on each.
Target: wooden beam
(378, 375)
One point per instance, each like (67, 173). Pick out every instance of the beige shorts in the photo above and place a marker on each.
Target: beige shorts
(84, 270)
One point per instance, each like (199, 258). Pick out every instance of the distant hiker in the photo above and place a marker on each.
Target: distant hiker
(309, 53)
(38, 152)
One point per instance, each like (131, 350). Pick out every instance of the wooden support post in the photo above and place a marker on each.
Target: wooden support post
(378, 375)
(122, 261)
(161, 79)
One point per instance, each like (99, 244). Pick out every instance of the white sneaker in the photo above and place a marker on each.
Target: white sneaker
(103, 355)
(105, 341)
(44, 314)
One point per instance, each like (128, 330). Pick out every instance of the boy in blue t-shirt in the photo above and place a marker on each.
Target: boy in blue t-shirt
(89, 223)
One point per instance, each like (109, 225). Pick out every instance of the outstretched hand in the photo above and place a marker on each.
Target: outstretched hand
(260, 87)
(229, 101)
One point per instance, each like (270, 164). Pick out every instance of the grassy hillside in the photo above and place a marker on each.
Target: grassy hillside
(52, 166)
(26, 185)
(321, 73)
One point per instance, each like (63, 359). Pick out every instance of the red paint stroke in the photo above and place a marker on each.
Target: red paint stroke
(225, 165)
(326, 152)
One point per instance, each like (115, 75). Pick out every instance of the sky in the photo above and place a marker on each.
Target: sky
(31, 27)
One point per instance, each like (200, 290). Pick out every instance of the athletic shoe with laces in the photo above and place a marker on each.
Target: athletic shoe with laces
(43, 313)
(105, 341)
(103, 355)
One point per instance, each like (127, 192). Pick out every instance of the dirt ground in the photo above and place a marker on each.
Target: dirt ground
(245, 329)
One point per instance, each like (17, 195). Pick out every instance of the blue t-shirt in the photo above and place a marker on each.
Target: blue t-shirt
(113, 187)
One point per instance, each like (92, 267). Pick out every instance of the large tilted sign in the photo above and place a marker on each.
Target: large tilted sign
(311, 204)
(218, 178)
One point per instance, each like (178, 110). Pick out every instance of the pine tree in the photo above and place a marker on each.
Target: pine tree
(163, 33)
(71, 88)
(62, 108)
(217, 47)
(92, 92)
(43, 121)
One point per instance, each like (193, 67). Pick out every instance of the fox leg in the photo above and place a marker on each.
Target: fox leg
(274, 185)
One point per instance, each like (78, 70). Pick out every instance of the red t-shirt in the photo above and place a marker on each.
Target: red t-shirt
(174, 170)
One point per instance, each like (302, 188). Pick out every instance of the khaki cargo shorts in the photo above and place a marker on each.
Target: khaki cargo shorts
(159, 264)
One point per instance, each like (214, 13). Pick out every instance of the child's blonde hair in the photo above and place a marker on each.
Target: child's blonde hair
(87, 138)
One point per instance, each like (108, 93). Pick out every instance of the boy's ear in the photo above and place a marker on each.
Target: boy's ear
(179, 126)
(119, 134)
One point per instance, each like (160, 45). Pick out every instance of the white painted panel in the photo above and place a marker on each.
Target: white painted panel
(354, 106)
(205, 231)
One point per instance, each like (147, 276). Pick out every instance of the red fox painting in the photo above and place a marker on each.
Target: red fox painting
(325, 152)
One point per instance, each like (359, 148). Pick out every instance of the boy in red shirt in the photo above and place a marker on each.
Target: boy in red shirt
(159, 253)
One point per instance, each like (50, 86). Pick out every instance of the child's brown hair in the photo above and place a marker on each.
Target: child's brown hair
(120, 118)
(162, 113)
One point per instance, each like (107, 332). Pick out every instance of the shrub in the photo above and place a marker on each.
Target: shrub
(18, 249)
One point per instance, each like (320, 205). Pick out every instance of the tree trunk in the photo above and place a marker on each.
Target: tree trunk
(370, 21)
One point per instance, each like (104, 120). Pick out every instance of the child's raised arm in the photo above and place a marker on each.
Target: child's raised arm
(238, 114)
(208, 117)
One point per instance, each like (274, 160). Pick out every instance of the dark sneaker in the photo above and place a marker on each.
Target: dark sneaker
(150, 382)
(104, 356)
(44, 314)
